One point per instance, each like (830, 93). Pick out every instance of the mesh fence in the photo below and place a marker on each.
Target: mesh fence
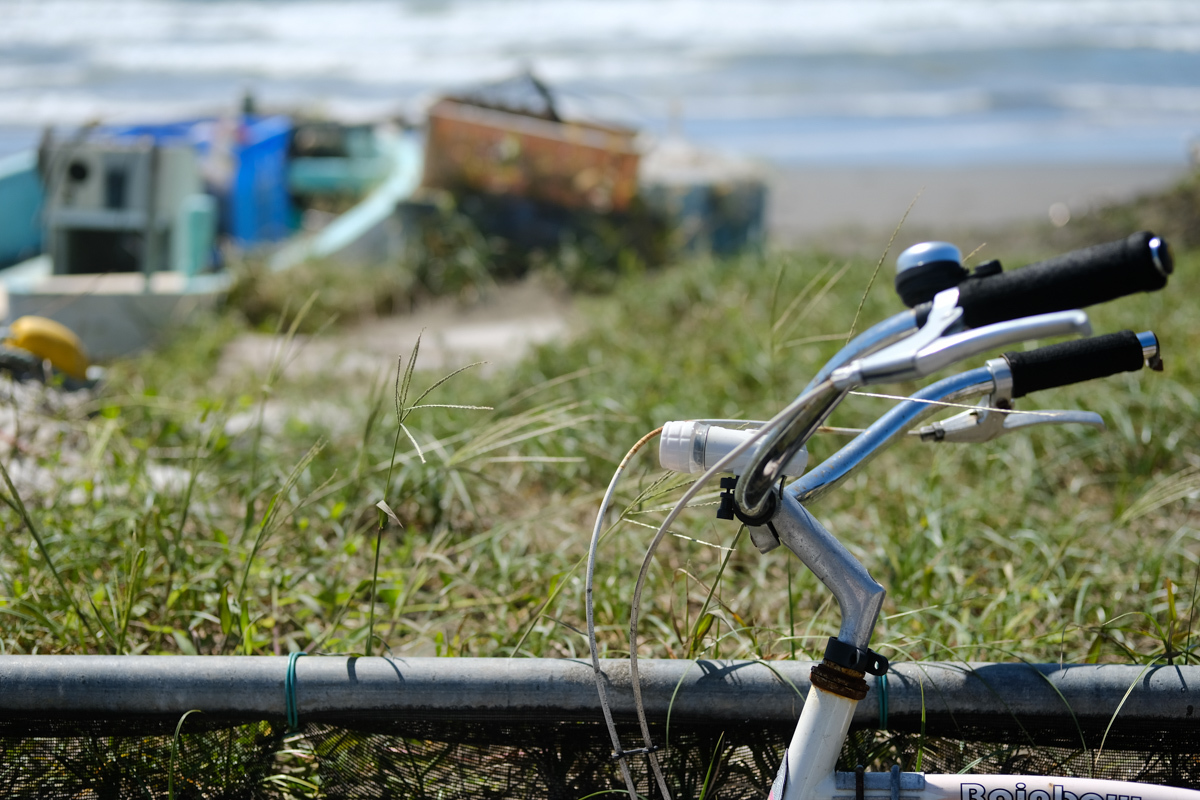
(503, 757)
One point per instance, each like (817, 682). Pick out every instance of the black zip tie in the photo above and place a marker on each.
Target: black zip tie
(729, 508)
(637, 751)
(857, 658)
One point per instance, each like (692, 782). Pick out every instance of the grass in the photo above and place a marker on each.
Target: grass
(141, 520)
(420, 513)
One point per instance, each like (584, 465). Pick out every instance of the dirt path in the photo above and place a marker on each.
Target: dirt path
(498, 330)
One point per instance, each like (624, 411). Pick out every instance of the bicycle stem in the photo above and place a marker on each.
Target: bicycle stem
(828, 710)
(859, 596)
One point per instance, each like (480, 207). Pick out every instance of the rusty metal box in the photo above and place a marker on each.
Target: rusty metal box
(573, 164)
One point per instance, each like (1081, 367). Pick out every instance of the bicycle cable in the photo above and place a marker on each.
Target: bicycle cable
(946, 404)
(780, 418)
(593, 647)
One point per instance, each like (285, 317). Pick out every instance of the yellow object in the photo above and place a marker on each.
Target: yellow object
(51, 341)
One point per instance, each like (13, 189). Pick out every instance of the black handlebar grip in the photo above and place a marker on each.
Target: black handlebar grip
(1075, 361)
(1140, 263)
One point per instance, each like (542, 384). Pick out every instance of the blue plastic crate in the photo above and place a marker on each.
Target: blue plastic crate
(260, 207)
(255, 206)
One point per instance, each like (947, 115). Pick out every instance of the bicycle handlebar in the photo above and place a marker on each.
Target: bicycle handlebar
(994, 309)
(1077, 361)
(1140, 263)
(1106, 272)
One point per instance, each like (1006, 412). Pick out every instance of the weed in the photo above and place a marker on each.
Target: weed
(143, 521)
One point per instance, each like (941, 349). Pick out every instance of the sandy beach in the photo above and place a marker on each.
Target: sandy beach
(837, 205)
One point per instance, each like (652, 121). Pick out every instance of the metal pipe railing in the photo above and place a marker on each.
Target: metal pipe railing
(331, 687)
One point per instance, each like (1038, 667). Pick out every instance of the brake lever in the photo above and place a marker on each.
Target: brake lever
(901, 357)
(994, 417)
(985, 424)
(942, 342)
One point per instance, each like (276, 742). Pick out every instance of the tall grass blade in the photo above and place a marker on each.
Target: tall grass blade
(711, 774)
(883, 257)
(175, 752)
(1163, 492)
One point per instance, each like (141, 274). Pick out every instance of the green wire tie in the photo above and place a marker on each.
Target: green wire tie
(289, 692)
(881, 684)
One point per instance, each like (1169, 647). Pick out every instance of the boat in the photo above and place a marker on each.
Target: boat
(120, 232)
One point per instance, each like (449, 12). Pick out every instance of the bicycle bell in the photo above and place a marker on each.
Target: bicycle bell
(925, 269)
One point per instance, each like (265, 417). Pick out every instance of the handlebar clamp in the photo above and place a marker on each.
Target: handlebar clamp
(855, 658)
(762, 529)
(730, 509)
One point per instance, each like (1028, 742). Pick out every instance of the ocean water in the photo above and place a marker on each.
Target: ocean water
(837, 82)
